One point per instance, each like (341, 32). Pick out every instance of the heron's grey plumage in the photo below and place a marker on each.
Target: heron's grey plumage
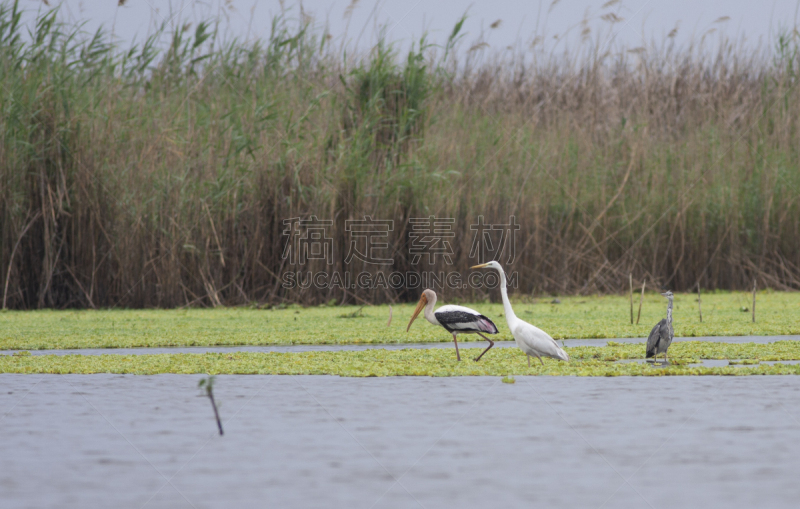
(661, 336)
(659, 339)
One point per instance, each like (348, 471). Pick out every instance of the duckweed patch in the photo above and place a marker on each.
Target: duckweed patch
(506, 362)
(574, 317)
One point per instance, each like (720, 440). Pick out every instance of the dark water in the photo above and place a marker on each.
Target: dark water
(466, 442)
(400, 346)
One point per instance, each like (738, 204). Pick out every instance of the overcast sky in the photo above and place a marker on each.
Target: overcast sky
(520, 21)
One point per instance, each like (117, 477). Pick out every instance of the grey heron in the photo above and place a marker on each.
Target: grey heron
(661, 336)
(455, 319)
(530, 339)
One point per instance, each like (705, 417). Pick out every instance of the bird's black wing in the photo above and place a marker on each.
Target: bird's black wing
(652, 339)
(461, 321)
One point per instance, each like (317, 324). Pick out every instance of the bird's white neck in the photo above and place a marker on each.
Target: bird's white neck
(429, 310)
(509, 312)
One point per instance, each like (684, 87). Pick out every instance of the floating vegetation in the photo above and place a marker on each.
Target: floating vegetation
(585, 361)
(575, 317)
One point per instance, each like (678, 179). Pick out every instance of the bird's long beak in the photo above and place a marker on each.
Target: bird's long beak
(664, 295)
(422, 302)
(479, 266)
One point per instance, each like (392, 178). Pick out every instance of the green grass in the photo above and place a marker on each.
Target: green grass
(576, 317)
(585, 361)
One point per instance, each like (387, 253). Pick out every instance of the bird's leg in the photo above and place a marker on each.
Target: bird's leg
(529, 359)
(458, 355)
(491, 344)
(540, 359)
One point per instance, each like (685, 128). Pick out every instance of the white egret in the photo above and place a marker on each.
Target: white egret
(661, 336)
(455, 319)
(531, 340)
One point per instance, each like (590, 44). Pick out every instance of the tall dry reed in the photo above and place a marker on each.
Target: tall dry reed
(144, 177)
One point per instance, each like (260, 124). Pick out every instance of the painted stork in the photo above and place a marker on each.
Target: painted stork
(455, 319)
(661, 336)
(531, 340)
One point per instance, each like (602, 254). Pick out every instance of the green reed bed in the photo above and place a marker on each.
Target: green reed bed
(778, 313)
(159, 174)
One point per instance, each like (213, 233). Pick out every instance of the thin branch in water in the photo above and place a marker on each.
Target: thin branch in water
(641, 299)
(630, 281)
(208, 384)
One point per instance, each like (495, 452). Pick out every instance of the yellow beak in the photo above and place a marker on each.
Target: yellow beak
(479, 266)
(422, 302)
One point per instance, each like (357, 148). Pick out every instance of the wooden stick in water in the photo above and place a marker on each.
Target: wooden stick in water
(641, 299)
(630, 281)
(699, 303)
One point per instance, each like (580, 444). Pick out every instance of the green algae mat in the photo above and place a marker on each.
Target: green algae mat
(585, 361)
(778, 313)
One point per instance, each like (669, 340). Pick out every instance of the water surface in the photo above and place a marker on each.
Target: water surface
(468, 442)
